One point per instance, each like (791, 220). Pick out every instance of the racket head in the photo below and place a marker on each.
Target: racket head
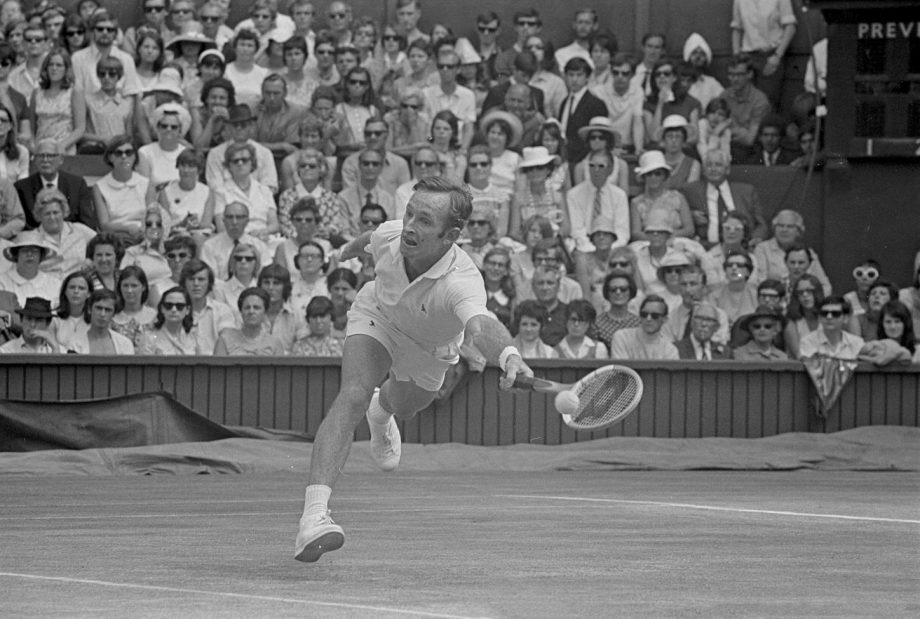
(605, 396)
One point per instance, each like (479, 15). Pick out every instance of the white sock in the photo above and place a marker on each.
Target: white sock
(376, 412)
(316, 502)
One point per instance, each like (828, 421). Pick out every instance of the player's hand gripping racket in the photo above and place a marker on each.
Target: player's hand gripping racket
(602, 398)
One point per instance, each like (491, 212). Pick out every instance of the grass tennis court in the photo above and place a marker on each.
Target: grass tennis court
(551, 544)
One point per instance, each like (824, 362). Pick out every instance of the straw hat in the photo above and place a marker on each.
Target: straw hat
(599, 123)
(27, 239)
(674, 259)
(535, 156)
(517, 129)
(240, 113)
(650, 161)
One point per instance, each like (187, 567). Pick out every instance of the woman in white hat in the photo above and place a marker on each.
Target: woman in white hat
(534, 196)
(653, 172)
(168, 89)
(684, 169)
(600, 135)
(157, 160)
(27, 279)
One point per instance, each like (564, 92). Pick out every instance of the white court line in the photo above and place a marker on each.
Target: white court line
(264, 598)
(714, 508)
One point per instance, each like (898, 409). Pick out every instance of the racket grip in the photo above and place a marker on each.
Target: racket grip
(524, 382)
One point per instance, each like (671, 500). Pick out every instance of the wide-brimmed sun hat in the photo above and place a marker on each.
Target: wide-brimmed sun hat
(602, 124)
(536, 156)
(517, 129)
(650, 161)
(27, 239)
(763, 311)
(200, 38)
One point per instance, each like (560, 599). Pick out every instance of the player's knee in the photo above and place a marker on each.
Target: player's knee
(354, 399)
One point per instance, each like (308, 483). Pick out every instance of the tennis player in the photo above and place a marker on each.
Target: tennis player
(408, 323)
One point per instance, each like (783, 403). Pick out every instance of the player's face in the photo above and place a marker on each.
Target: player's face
(529, 329)
(425, 235)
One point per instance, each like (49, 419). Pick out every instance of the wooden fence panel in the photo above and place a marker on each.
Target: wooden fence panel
(682, 399)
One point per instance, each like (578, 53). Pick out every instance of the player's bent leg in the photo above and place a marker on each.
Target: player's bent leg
(365, 363)
(401, 399)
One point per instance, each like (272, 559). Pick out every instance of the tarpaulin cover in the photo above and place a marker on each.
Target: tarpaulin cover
(128, 421)
(871, 448)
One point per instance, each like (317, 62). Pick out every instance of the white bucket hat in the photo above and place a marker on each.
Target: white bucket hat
(652, 160)
(535, 156)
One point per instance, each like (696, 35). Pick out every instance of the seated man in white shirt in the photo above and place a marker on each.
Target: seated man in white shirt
(215, 252)
(829, 338)
(368, 190)
(395, 170)
(595, 198)
(425, 163)
(449, 95)
(647, 340)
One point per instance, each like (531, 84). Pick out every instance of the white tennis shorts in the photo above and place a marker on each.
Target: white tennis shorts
(410, 361)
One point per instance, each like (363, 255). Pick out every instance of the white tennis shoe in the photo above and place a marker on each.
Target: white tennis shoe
(386, 444)
(317, 537)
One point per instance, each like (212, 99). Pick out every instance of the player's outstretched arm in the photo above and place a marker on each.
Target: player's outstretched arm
(355, 247)
(494, 342)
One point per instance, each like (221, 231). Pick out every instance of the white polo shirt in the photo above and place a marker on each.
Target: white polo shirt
(434, 308)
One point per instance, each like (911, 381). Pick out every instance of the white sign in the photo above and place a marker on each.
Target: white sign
(888, 30)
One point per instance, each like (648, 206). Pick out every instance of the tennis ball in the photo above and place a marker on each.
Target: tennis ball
(567, 402)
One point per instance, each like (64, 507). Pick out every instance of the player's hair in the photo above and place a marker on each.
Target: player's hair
(461, 201)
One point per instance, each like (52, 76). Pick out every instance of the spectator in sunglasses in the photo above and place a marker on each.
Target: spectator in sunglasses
(647, 340)
(830, 338)
(104, 28)
(408, 126)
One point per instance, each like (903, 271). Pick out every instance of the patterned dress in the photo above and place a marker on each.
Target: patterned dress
(54, 116)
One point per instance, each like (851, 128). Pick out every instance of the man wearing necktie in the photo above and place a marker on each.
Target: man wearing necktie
(697, 344)
(594, 199)
(48, 159)
(769, 151)
(579, 107)
(714, 196)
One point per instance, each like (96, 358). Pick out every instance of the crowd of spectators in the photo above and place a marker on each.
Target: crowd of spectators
(243, 155)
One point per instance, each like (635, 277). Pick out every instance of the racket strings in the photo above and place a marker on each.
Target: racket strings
(605, 399)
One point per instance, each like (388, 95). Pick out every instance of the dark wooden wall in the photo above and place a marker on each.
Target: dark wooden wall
(682, 399)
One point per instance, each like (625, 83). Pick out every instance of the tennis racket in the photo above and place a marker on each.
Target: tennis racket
(604, 397)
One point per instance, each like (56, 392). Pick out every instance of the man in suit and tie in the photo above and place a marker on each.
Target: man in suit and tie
(713, 197)
(578, 108)
(49, 157)
(769, 151)
(698, 344)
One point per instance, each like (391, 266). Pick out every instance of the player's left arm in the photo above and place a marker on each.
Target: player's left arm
(494, 342)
